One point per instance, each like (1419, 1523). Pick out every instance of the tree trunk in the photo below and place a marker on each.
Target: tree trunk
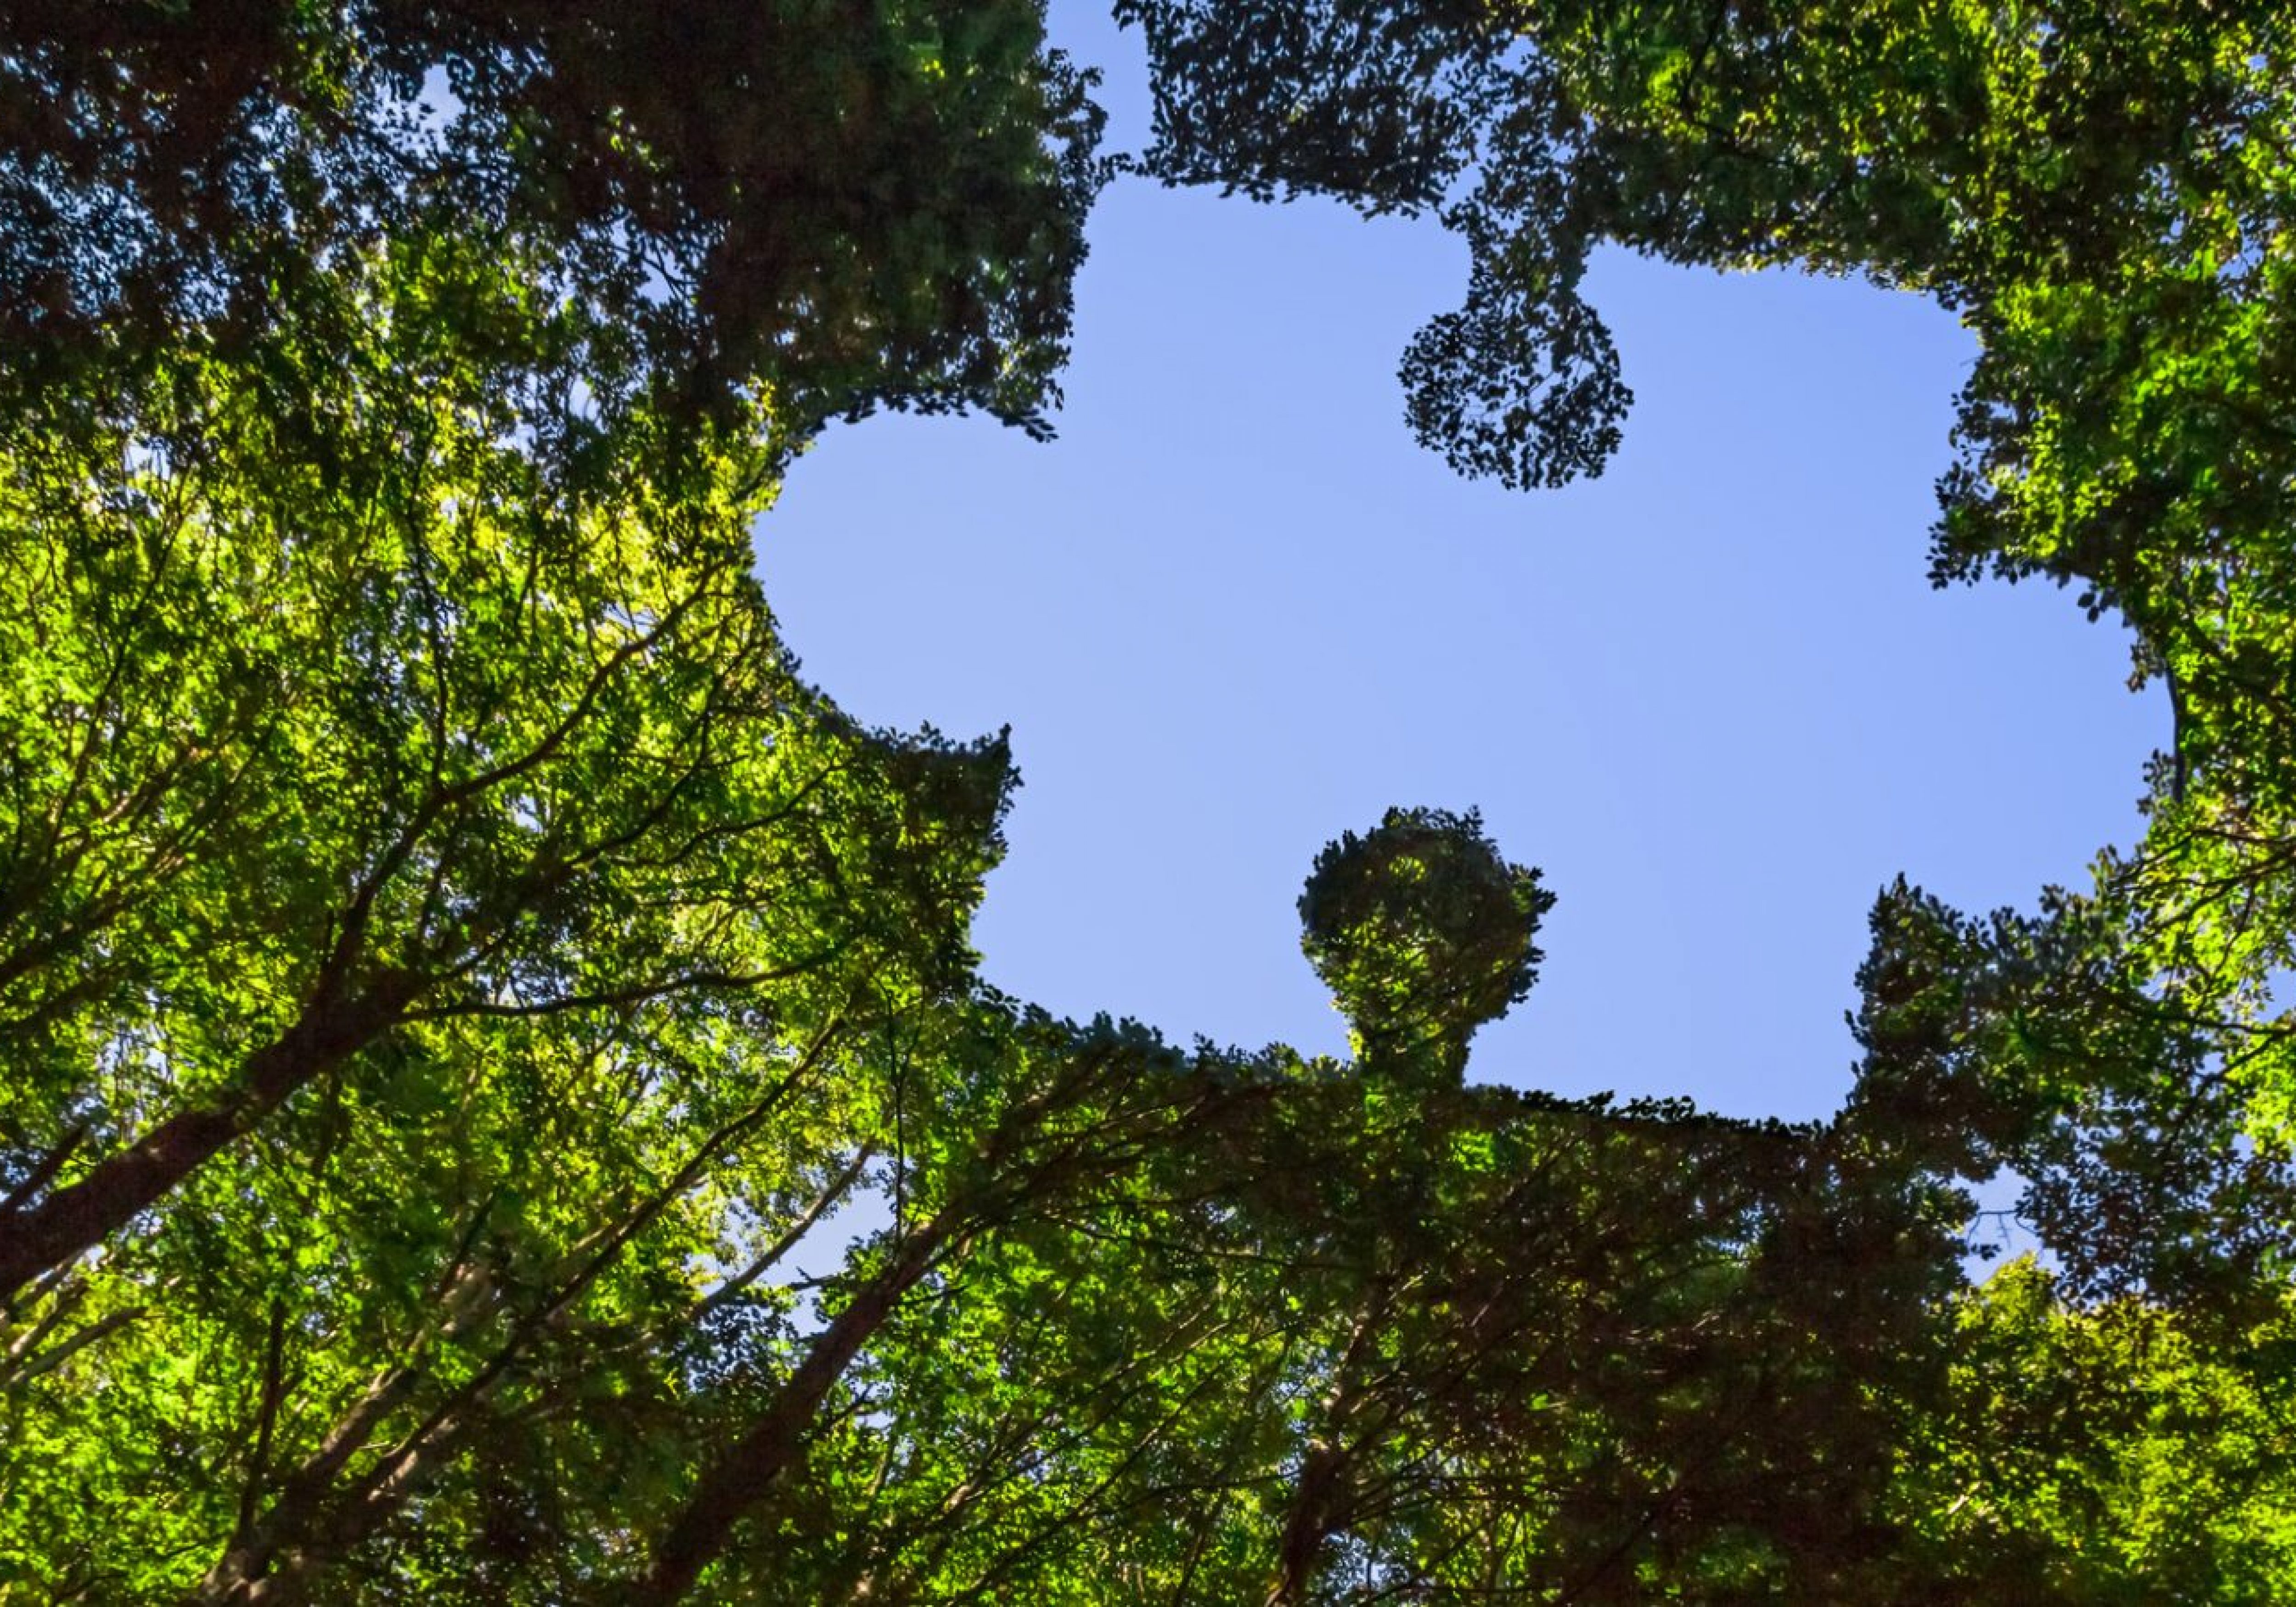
(745, 1475)
(1308, 1528)
(76, 1218)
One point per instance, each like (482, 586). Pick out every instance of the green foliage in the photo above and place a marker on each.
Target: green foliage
(844, 206)
(438, 924)
(2046, 1046)
(453, 974)
(1422, 932)
(2106, 1454)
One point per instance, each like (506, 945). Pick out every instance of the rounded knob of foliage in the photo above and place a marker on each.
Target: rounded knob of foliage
(1423, 931)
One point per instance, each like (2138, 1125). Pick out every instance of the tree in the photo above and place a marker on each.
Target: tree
(2103, 191)
(452, 966)
(1291, 1331)
(2043, 1044)
(843, 207)
(2100, 189)
(428, 886)
(1424, 933)
(2103, 1453)
(436, 916)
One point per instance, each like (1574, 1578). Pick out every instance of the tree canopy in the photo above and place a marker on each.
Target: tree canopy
(840, 206)
(459, 984)
(2102, 191)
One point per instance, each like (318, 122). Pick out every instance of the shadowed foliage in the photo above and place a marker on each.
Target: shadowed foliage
(847, 206)
(1422, 932)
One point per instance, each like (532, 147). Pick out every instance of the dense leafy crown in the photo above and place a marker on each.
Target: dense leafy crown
(1422, 932)
(847, 205)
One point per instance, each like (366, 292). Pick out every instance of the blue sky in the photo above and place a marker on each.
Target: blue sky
(1234, 610)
